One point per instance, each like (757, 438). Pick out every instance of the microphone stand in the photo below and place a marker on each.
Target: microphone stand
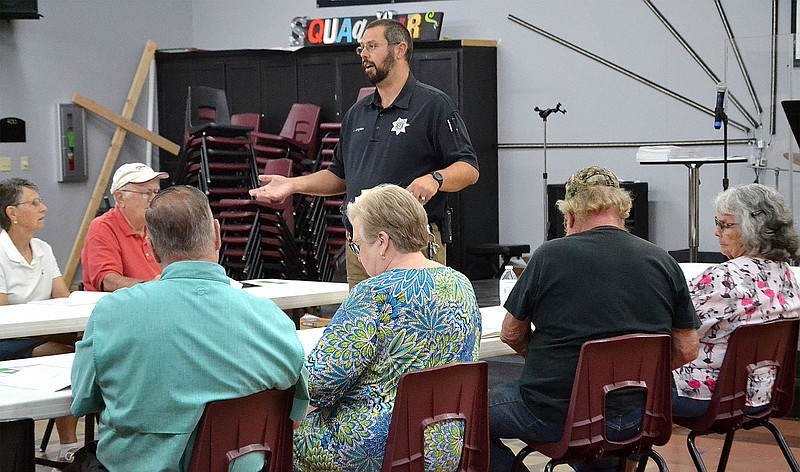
(724, 150)
(543, 114)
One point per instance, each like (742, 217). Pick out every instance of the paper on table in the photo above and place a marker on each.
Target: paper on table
(492, 321)
(49, 378)
(263, 282)
(79, 297)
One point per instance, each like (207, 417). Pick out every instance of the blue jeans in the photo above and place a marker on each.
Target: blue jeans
(686, 407)
(510, 417)
(11, 346)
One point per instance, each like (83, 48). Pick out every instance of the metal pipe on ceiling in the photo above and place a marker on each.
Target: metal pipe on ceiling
(700, 62)
(622, 70)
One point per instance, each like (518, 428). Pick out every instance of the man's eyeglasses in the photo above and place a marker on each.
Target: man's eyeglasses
(353, 245)
(36, 202)
(146, 195)
(723, 225)
(371, 47)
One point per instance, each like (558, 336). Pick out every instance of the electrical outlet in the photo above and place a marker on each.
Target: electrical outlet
(5, 164)
(23, 163)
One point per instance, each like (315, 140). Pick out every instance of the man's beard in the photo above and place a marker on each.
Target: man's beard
(381, 73)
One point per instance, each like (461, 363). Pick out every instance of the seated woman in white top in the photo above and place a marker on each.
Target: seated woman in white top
(28, 272)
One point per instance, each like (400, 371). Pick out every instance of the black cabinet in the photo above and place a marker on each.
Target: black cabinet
(270, 81)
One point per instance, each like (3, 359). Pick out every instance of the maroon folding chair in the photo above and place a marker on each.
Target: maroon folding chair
(750, 347)
(424, 397)
(298, 139)
(632, 361)
(258, 423)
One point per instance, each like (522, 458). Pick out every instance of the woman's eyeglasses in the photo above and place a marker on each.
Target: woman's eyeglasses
(353, 245)
(723, 225)
(36, 202)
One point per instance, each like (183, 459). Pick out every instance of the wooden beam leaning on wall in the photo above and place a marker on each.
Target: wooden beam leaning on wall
(123, 122)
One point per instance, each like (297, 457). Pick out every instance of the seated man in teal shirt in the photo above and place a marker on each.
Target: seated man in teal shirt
(154, 354)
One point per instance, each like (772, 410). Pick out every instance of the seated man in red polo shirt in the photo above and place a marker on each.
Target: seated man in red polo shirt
(116, 253)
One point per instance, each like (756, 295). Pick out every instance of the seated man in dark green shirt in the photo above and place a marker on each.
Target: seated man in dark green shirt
(597, 282)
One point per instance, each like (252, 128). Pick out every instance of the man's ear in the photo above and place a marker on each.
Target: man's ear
(400, 50)
(156, 256)
(217, 231)
(569, 221)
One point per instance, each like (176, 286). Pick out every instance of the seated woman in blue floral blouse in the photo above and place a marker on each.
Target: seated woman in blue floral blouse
(756, 232)
(412, 313)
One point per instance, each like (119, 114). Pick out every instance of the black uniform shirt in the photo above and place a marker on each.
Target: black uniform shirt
(422, 131)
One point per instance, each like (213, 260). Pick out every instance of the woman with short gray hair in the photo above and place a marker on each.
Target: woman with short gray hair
(756, 232)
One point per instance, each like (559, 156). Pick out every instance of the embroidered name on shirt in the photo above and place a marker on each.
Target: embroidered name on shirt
(400, 125)
(358, 129)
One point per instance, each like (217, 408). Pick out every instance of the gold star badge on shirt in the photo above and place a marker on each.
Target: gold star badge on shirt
(400, 125)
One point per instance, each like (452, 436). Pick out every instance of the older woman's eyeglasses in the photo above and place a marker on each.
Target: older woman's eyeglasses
(722, 225)
(353, 245)
(36, 202)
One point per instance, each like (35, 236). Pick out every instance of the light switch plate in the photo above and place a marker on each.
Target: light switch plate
(23, 163)
(5, 164)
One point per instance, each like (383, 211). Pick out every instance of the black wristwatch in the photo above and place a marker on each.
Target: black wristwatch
(438, 178)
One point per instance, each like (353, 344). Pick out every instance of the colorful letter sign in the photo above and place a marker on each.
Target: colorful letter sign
(348, 30)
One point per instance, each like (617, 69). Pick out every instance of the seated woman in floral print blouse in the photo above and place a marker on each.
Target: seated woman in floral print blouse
(756, 232)
(412, 313)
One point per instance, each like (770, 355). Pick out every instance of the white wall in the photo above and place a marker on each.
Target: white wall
(603, 105)
(93, 46)
(87, 46)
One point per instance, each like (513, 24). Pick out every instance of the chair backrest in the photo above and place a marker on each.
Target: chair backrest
(17, 445)
(610, 365)
(302, 126)
(282, 167)
(205, 106)
(364, 92)
(252, 120)
(453, 391)
(230, 427)
(749, 346)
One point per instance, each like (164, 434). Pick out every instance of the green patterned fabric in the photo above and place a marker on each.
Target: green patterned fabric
(399, 321)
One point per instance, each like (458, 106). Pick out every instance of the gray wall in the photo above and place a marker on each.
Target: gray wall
(87, 46)
(93, 47)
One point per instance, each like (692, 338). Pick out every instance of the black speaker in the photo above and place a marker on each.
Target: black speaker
(637, 222)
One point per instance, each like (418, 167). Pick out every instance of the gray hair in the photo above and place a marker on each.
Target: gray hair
(10, 192)
(765, 221)
(394, 210)
(395, 33)
(180, 224)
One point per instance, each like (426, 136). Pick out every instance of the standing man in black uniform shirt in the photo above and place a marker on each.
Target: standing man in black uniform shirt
(406, 133)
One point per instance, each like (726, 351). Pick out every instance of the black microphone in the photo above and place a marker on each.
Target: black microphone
(719, 110)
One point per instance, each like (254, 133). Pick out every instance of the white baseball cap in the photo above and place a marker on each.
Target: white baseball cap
(136, 173)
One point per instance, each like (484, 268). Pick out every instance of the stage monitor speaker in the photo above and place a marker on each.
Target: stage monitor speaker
(637, 223)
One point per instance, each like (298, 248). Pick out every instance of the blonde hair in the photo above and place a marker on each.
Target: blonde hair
(597, 199)
(394, 210)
